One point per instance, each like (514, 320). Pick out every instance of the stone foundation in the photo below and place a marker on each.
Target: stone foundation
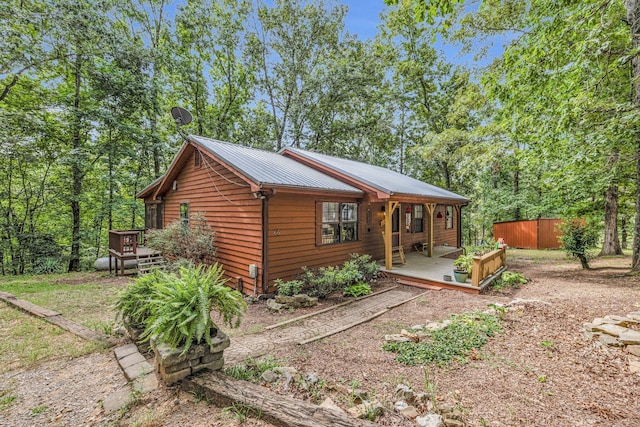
(173, 366)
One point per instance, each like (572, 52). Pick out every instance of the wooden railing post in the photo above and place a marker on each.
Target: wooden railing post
(486, 265)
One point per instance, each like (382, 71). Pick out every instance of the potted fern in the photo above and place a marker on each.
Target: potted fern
(179, 321)
(133, 306)
(463, 266)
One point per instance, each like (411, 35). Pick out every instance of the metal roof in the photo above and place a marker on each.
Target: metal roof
(380, 178)
(267, 168)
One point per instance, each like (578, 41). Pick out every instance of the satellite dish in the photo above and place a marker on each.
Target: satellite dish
(181, 116)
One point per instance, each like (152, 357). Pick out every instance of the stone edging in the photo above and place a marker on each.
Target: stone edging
(615, 331)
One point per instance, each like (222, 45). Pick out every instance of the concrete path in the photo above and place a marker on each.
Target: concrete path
(317, 326)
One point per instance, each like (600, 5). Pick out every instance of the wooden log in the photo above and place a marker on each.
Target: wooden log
(274, 408)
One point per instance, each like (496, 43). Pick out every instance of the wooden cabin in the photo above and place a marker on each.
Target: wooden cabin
(274, 213)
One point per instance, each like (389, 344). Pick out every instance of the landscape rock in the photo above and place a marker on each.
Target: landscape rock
(330, 404)
(400, 405)
(365, 409)
(634, 366)
(635, 315)
(296, 301)
(269, 376)
(449, 422)
(633, 349)
(609, 340)
(630, 337)
(396, 338)
(274, 307)
(403, 392)
(409, 412)
(610, 329)
(430, 420)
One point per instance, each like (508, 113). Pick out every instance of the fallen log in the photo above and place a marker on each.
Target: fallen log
(276, 409)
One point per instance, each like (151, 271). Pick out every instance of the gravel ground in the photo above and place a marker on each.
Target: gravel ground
(539, 371)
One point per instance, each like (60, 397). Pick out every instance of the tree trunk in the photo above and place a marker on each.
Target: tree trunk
(623, 227)
(76, 173)
(632, 8)
(611, 245)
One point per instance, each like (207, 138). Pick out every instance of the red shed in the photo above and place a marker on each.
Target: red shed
(529, 234)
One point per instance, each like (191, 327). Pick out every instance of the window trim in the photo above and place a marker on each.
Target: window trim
(414, 218)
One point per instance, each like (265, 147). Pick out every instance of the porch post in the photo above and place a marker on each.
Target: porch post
(458, 209)
(388, 255)
(431, 207)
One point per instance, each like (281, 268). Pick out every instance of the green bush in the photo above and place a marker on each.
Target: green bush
(577, 239)
(290, 288)
(508, 280)
(323, 281)
(180, 306)
(357, 290)
(175, 241)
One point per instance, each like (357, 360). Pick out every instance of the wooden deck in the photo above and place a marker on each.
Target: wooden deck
(428, 273)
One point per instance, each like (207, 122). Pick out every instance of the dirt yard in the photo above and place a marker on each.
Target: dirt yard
(539, 371)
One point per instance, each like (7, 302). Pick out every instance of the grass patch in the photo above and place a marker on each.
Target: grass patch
(466, 332)
(76, 296)
(7, 398)
(252, 369)
(26, 340)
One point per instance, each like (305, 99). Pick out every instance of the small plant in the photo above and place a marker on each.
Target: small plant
(357, 290)
(38, 410)
(509, 280)
(542, 378)
(7, 398)
(242, 411)
(48, 265)
(464, 263)
(180, 306)
(252, 369)
(548, 343)
(577, 239)
(290, 288)
(500, 310)
(201, 397)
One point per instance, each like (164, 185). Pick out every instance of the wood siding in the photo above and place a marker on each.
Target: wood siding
(230, 209)
(529, 234)
(292, 235)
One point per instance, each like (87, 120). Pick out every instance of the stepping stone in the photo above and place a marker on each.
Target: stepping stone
(609, 340)
(131, 360)
(633, 349)
(635, 315)
(125, 350)
(116, 400)
(146, 383)
(134, 371)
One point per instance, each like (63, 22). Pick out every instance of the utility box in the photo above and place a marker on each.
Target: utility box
(253, 271)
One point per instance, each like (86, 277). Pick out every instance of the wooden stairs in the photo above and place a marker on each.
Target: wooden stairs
(150, 263)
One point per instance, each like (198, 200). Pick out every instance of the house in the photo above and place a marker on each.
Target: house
(276, 212)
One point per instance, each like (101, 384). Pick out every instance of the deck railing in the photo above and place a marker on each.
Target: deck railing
(487, 265)
(125, 241)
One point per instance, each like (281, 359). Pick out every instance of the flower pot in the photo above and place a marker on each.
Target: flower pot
(461, 276)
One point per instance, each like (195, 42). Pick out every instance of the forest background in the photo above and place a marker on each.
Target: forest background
(549, 128)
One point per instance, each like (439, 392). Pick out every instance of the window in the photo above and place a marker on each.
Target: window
(448, 217)
(418, 216)
(184, 213)
(339, 222)
(153, 216)
(197, 159)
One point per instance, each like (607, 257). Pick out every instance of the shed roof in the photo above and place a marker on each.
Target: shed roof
(269, 169)
(382, 179)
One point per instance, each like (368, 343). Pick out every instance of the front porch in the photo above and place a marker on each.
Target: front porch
(127, 245)
(428, 272)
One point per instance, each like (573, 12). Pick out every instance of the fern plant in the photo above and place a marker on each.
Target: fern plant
(133, 304)
(181, 306)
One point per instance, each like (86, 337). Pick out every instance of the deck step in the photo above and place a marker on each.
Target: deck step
(150, 263)
(419, 285)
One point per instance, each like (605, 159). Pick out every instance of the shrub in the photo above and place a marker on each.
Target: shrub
(175, 241)
(577, 239)
(357, 290)
(48, 265)
(181, 305)
(368, 268)
(290, 288)
(509, 279)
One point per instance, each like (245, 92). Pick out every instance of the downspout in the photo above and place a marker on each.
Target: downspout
(265, 244)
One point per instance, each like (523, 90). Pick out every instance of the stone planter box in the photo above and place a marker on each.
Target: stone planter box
(135, 332)
(173, 366)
